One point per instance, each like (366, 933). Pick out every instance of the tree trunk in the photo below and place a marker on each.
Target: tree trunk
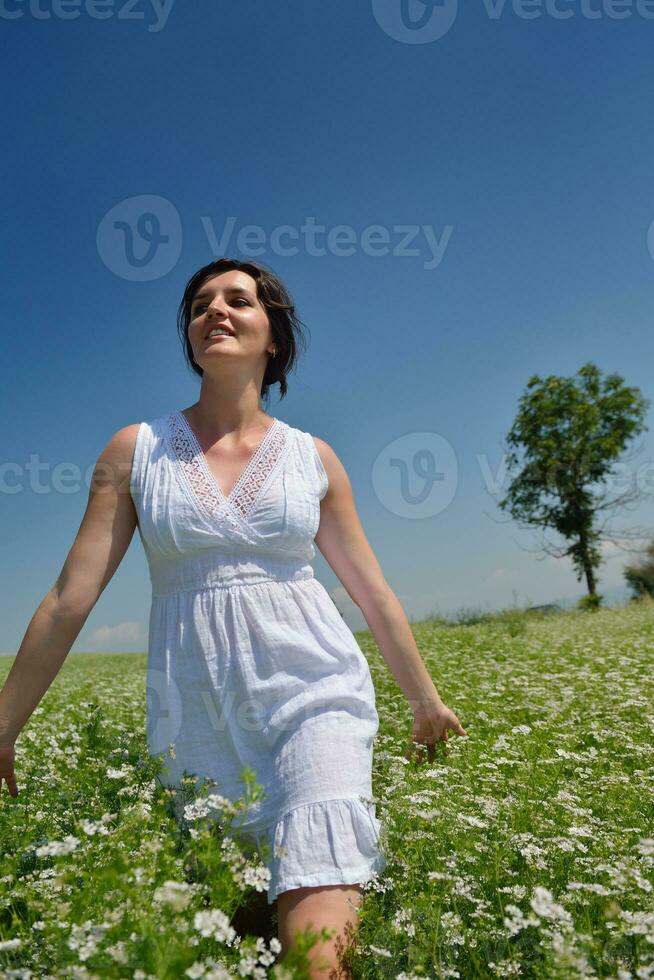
(588, 568)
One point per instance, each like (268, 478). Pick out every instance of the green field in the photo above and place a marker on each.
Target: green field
(525, 849)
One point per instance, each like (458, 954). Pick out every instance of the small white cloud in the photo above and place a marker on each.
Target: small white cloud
(113, 637)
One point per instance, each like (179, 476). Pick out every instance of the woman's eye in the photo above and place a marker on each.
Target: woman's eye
(202, 306)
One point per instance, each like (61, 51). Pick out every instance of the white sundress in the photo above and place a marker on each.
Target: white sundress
(249, 660)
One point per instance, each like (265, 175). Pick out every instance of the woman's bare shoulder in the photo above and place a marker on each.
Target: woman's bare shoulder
(123, 440)
(334, 468)
(118, 451)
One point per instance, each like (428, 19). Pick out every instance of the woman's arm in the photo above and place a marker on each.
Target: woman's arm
(342, 541)
(101, 542)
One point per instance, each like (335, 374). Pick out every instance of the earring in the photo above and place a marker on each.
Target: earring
(273, 353)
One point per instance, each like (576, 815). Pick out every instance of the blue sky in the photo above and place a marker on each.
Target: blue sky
(495, 181)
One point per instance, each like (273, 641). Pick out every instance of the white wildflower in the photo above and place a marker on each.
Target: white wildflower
(402, 922)
(543, 904)
(56, 848)
(218, 972)
(473, 821)
(427, 814)
(257, 876)
(214, 923)
(589, 886)
(380, 951)
(195, 971)
(84, 938)
(119, 773)
(118, 952)
(92, 827)
(174, 893)
(202, 807)
(516, 920)
(581, 831)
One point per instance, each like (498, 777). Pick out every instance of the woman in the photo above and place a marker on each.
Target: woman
(228, 501)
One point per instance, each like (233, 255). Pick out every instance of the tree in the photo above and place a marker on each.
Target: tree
(572, 431)
(640, 578)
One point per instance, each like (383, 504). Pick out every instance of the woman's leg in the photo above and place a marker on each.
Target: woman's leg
(333, 907)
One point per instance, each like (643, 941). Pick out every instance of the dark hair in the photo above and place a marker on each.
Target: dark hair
(272, 294)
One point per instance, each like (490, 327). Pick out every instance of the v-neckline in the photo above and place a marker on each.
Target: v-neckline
(245, 492)
(245, 472)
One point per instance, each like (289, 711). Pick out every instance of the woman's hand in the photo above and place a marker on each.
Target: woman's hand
(7, 758)
(431, 720)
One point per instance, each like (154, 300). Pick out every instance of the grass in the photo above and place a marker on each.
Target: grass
(525, 849)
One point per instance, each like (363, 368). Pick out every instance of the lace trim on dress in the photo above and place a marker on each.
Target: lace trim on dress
(247, 488)
(183, 444)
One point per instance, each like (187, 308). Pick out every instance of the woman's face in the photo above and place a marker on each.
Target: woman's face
(229, 300)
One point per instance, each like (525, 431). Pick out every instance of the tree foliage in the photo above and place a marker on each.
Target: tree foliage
(640, 577)
(571, 432)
